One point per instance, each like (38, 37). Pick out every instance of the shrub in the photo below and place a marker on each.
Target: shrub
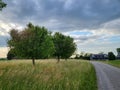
(111, 56)
(10, 55)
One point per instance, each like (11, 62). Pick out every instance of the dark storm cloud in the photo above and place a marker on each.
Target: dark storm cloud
(80, 13)
(100, 17)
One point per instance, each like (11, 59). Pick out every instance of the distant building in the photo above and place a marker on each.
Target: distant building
(98, 57)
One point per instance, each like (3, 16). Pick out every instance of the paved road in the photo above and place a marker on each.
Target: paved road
(108, 77)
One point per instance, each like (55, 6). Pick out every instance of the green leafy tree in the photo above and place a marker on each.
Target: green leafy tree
(2, 5)
(58, 42)
(32, 42)
(111, 56)
(69, 47)
(47, 47)
(82, 55)
(87, 56)
(118, 50)
(64, 46)
(77, 56)
(10, 54)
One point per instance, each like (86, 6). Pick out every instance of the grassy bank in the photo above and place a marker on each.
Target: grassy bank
(114, 63)
(47, 75)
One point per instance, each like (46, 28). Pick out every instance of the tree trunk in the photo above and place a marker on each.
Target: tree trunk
(58, 58)
(33, 61)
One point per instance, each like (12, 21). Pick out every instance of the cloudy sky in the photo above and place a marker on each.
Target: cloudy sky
(94, 24)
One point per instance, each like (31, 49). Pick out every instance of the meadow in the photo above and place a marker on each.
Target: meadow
(115, 63)
(47, 75)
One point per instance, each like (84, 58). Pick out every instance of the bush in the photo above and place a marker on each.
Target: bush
(111, 56)
(10, 55)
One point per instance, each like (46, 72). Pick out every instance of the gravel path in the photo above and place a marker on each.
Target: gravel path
(108, 77)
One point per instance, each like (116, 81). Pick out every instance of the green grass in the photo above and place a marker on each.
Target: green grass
(47, 75)
(113, 62)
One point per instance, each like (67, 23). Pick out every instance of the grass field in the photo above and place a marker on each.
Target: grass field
(114, 63)
(47, 75)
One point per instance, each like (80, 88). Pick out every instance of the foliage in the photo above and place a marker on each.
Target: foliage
(83, 55)
(69, 47)
(2, 5)
(47, 75)
(118, 50)
(58, 42)
(36, 42)
(86, 56)
(47, 47)
(33, 42)
(3, 59)
(111, 56)
(11, 54)
(64, 46)
(77, 56)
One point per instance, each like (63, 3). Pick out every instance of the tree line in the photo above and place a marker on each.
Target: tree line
(35, 42)
(86, 56)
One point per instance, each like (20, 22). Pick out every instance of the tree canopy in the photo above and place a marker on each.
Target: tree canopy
(118, 50)
(111, 56)
(69, 47)
(2, 5)
(64, 46)
(11, 54)
(33, 42)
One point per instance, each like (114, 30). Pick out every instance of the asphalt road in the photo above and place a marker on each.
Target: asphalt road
(108, 77)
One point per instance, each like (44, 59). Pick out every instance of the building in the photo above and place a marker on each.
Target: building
(98, 57)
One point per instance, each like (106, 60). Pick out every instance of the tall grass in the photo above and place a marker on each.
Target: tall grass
(47, 75)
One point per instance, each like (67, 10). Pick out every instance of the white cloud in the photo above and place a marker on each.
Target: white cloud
(3, 52)
(5, 27)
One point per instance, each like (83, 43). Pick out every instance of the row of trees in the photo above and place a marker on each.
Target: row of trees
(35, 42)
(83, 55)
(86, 56)
(111, 55)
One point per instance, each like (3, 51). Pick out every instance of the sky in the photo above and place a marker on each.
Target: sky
(94, 24)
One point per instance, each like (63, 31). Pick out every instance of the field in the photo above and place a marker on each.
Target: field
(47, 75)
(114, 63)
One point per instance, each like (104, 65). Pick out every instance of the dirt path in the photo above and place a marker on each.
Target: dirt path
(108, 76)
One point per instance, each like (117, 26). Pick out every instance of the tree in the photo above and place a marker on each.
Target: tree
(111, 56)
(87, 56)
(64, 46)
(47, 47)
(11, 54)
(2, 5)
(77, 56)
(82, 55)
(33, 42)
(69, 47)
(118, 50)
